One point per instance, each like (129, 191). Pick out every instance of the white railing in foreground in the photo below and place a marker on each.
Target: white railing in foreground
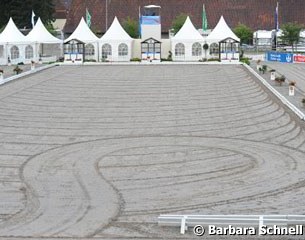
(185, 221)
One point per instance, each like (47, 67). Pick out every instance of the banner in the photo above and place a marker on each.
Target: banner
(151, 20)
(299, 58)
(279, 57)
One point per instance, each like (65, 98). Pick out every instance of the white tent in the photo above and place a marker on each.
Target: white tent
(116, 44)
(221, 32)
(40, 35)
(229, 46)
(187, 43)
(14, 46)
(83, 33)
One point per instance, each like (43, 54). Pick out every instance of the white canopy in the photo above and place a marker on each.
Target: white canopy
(221, 32)
(188, 32)
(262, 34)
(41, 35)
(116, 32)
(152, 6)
(83, 33)
(12, 35)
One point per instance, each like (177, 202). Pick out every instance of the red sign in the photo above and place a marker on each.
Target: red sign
(299, 58)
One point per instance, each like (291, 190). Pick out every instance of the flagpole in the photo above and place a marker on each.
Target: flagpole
(276, 24)
(106, 15)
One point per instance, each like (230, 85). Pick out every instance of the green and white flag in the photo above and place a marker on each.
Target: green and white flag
(88, 18)
(204, 19)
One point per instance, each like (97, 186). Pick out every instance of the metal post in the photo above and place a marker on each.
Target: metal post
(261, 223)
(106, 15)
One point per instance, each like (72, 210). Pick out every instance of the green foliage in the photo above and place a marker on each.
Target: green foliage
(131, 27)
(244, 33)
(178, 22)
(213, 60)
(135, 60)
(50, 28)
(21, 11)
(96, 31)
(245, 60)
(291, 33)
(17, 70)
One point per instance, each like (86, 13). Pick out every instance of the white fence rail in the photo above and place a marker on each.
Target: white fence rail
(185, 221)
(284, 100)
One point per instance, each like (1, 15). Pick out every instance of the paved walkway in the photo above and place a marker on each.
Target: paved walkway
(293, 72)
(98, 152)
(9, 70)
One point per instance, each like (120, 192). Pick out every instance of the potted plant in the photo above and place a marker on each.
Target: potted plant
(1, 74)
(205, 48)
(292, 88)
(17, 70)
(264, 68)
(32, 65)
(303, 101)
(258, 65)
(280, 80)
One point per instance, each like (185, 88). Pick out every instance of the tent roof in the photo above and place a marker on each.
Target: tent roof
(83, 33)
(188, 32)
(116, 32)
(222, 31)
(41, 34)
(11, 34)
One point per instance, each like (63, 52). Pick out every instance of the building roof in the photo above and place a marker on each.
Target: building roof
(221, 32)
(12, 35)
(116, 32)
(255, 14)
(61, 9)
(41, 35)
(188, 32)
(83, 33)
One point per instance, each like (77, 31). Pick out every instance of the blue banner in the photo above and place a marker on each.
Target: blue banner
(280, 57)
(151, 20)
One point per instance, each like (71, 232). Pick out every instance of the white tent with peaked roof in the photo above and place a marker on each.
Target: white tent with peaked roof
(12, 35)
(116, 44)
(14, 46)
(187, 43)
(84, 34)
(223, 42)
(40, 36)
(221, 32)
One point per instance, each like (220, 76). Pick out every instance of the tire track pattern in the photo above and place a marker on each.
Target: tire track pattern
(44, 115)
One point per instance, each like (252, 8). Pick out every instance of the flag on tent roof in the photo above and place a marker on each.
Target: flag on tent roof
(33, 19)
(204, 19)
(88, 18)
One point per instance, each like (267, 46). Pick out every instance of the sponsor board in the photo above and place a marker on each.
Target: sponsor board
(279, 57)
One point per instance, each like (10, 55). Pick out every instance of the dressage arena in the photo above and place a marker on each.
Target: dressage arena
(99, 152)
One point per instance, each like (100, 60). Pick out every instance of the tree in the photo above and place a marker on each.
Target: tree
(178, 22)
(244, 33)
(21, 11)
(131, 27)
(291, 34)
(44, 9)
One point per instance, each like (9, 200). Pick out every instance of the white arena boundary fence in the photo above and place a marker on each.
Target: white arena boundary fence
(185, 221)
(284, 100)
